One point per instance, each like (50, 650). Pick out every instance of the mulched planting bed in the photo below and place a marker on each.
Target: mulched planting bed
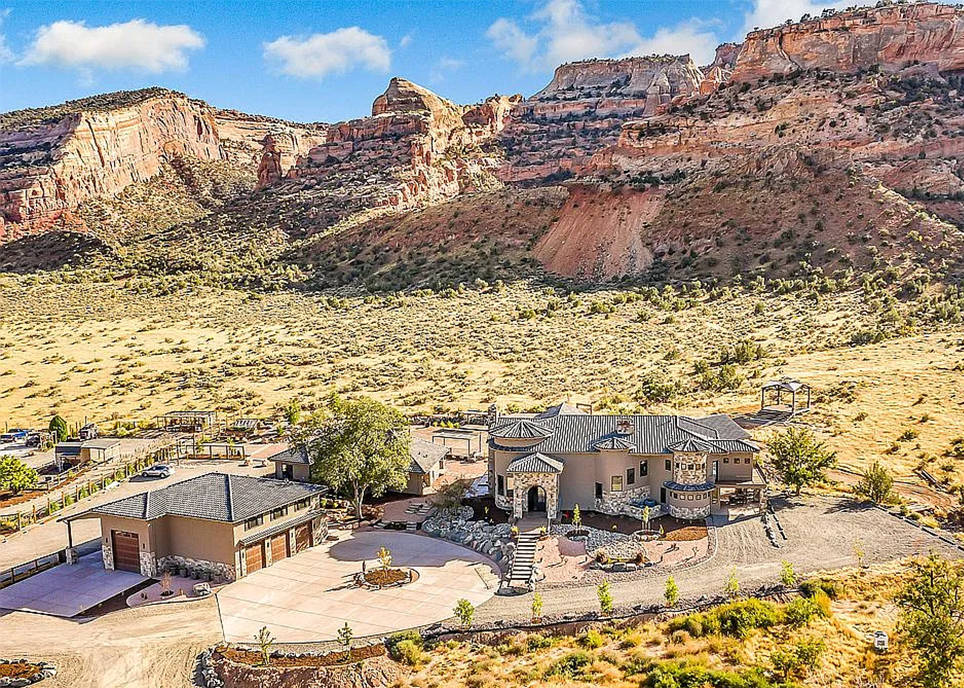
(383, 577)
(687, 533)
(19, 670)
(254, 658)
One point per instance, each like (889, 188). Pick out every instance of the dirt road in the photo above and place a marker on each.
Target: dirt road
(151, 647)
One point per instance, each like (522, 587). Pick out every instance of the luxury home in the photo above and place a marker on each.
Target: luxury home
(565, 456)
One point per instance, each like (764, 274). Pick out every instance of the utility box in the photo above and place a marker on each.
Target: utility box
(881, 641)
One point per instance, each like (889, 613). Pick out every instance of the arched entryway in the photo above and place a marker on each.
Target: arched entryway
(536, 499)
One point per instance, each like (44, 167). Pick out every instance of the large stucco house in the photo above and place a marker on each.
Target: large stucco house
(229, 525)
(552, 461)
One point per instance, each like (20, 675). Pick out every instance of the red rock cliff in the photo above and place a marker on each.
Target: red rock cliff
(891, 36)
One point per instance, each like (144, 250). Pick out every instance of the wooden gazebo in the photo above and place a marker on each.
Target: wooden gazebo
(774, 396)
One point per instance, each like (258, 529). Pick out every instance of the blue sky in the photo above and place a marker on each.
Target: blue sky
(326, 61)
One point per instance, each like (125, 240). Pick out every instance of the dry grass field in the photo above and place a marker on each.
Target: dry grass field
(102, 351)
(633, 655)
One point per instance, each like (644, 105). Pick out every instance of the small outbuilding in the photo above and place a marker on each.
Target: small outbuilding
(428, 464)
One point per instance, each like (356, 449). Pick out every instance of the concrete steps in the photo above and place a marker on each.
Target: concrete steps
(525, 557)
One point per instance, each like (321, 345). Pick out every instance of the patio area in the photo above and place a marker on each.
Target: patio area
(310, 596)
(68, 590)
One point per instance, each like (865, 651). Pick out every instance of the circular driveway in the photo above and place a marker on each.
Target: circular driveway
(309, 596)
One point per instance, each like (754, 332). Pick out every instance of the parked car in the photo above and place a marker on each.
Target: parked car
(34, 439)
(158, 470)
(13, 436)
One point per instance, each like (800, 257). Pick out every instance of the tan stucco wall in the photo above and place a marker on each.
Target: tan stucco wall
(583, 471)
(240, 532)
(143, 529)
(195, 539)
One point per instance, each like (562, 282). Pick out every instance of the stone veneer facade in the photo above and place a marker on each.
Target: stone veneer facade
(523, 482)
(689, 469)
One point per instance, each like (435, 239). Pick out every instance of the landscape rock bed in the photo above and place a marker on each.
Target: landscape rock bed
(491, 539)
(19, 672)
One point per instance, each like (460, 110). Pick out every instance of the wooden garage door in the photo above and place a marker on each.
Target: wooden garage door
(254, 557)
(279, 547)
(126, 551)
(302, 537)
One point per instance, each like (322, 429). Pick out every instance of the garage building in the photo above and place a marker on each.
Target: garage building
(229, 525)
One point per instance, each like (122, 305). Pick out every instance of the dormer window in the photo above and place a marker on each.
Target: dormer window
(624, 427)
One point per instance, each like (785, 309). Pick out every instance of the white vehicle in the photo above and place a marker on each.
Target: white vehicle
(158, 470)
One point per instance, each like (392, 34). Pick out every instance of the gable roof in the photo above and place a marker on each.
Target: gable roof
(211, 497)
(586, 433)
(426, 455)
(562, 409)
(535, 463)
(291, 455)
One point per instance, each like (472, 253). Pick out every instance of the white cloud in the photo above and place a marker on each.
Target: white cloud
(6, 54)
(692, 37)
(406, 41)
(321, 54)
(768, 13)
(444, 66)
(136, 44)
(564, 31)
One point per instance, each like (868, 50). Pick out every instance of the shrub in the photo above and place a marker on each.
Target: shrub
(570, 666)
(538, 642)
(412, 640)
(407, 652)
(591, 639)
(800, 611)
(809, 588)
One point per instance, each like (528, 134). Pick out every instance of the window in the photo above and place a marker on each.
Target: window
(500, 482)
(643, 469)
(301, 504)
(746, 461)
(726, 459)
(599, 491)
(669, 465)
(630, 476)
(279, 513)
(617, 483)
(253, 522)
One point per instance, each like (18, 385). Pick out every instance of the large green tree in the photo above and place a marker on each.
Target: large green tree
(58, 426)
(800, 458)
(932, 619)
(360, 446)
(15, 475)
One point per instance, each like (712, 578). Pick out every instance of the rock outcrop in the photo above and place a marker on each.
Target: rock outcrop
(889, 37)
(415, 149)
(553, 134)
(54, 159)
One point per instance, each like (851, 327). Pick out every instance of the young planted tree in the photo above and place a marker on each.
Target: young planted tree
(15, 475)
(361, 446)
(787, 576)
(576, 516)
(800, 458)
(932, 620)
(732, 586)
(671, 593)
(385, 558)
(536, 606)
(58, 426)
(345, 635)
(605, 596)
(464, 611)
(876, 484)
(265, 640)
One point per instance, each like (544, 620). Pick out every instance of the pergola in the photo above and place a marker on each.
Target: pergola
(777, 390)
(196, 420)
(458, 435)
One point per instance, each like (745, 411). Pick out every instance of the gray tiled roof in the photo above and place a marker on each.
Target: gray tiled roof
(212, 497)
(614, 442)
(426, 455)
(280, 527)
(291, 455)
(577, 434)
(535, 463)
(562, 409)
(523, 428)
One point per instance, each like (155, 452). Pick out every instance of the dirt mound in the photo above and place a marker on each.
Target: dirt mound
(376, 672)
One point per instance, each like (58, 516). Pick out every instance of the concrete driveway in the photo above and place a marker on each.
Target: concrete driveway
(68, 590)
(310, 596)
